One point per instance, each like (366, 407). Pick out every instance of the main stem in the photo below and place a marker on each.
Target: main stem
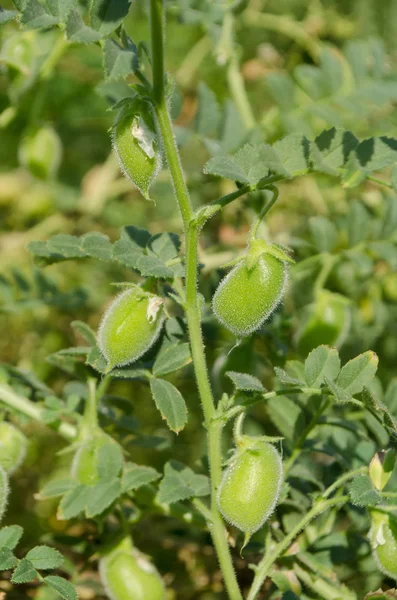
(193, 313)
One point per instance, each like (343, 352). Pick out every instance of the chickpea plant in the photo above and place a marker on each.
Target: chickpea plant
(270, 498)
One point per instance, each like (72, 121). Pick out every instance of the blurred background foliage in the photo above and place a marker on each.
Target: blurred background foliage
(305, 66)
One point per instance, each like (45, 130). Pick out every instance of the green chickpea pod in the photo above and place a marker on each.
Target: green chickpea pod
(127, 575)
(84, 466)
(251, 484)
(130, 326)
(253, 289)
(136, 147)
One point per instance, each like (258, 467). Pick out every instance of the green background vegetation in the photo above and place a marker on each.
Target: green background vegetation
(306, 66)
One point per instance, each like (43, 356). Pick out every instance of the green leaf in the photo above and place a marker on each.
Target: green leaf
(68, 246)
(322, 362)
(24, 572)
(293, 152)
(181, 483)
(85, 331)
(60, 585)
(42, 255)
(36, 16)
(57, 488)
(339, 394)
(363, 493)
(170, 403)
(7, 15)
(44, 557)
(130, 247)
(73, 503)
(10, 536)
(172, 358)
(119, 62)
(286, 416)
(286, 378)
(77, 30)
(20, 4)
(7, 559)
(371, 401)
(370, 155)
(151, 266)
(165, 246)
(374, 154)
(248, 165)
(135, 476)
(110, 460)
(97, 245)
(61, 8)
(245, 382)
(331, 150)
(107, 15)
(101, 496)
(358, 372)
(96, 360)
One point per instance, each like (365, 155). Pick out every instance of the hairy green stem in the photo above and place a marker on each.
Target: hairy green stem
(342, 479)
(263, 568)
(267, 206)
(28, 408)
(193, 312)
(235, 410)
(319, 506)
(380, 181)
(324, 589)
(214, 207)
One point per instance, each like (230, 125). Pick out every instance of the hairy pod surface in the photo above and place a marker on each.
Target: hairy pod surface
(127, 575)
(84, 466)
(130, 326)
(13, 445)
(4, 491)
(246, 297)
(136, 146)
(328, 323)
(251, 486)
(383, 538)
